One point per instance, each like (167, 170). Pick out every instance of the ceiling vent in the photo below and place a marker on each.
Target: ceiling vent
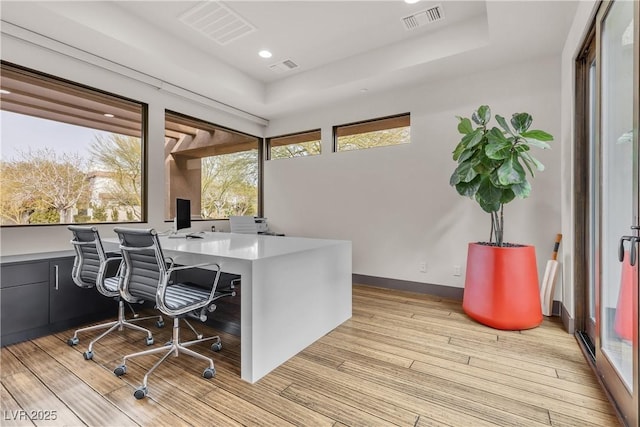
(217, 22)
(423, 17)
(284, 66)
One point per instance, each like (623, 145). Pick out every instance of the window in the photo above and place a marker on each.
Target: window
(216, 168)
(299, 144)
(70, 154)
(381, 132)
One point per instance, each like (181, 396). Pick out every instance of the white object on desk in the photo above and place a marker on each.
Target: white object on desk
(243, 224)
(294, 290)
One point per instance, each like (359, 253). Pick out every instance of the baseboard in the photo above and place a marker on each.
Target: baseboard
(568, 322)
(442, 291)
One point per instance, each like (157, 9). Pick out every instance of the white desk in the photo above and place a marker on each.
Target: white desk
(294, 290)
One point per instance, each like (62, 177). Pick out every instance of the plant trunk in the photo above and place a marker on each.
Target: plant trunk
(497, 226)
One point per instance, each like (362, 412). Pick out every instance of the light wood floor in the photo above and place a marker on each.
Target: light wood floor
(403, 359)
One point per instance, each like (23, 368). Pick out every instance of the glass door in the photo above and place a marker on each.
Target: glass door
(615, 204)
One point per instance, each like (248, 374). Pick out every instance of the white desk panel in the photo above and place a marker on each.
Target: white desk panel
(294, 290)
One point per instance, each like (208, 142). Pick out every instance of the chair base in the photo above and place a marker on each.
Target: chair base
(173, 347)
(119, 324)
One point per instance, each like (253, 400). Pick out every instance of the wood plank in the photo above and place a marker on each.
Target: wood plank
(35, 398)
(330, 407)
(87, 404)
(12, 412)
(543, 396)
(402, 359)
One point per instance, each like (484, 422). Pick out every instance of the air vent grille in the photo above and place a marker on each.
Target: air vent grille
(216, 21)
(284, 66)
(418, 19)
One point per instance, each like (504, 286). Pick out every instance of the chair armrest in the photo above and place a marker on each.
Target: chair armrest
(160, 296)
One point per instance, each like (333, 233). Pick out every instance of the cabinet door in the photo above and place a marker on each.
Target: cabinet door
(24, 296)
(68, 300)
(24, 307)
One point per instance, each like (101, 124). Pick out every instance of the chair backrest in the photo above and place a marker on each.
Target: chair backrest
(90, 263)
(243, 224)
(145, 265)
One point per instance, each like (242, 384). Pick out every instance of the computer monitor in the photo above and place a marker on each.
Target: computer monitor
(183, 214)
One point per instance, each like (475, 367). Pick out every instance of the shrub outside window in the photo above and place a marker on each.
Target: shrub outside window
(70, 154)
(216, 168)
(393, 130)
(300, 144)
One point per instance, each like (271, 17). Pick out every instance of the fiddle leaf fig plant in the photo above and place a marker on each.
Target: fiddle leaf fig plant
(493, 162)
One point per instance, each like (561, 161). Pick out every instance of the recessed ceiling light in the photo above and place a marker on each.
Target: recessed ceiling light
(265, 54)
(364, 89)
(4, 91)
(108, 115)
(411, 1)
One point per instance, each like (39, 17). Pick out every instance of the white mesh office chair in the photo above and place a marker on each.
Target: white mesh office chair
(147, 275)
(90, 269)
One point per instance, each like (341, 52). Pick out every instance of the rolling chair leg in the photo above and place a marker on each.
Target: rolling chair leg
(173, 347)
(136, 317)
(119, 324)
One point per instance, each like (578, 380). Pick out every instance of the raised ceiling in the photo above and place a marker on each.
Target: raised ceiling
(340, 47)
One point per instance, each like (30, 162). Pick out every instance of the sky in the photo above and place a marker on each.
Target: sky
(19, 132)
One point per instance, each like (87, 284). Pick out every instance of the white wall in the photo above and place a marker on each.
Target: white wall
(395, 203)
(23, 240)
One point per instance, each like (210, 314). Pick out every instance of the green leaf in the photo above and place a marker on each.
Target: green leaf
(496, 135)
(469, 189)
(536, 143)
(521, 122)
(454, 179)
(498, 151)
(522, 190)
(511, 171)
(482, 115)
(466, 155)
(539, 166)
(464, 126)
(503, 123)
(496, 181)
(488, 196)
(540, 135)
(472, 139)
(507, 196)
(459, 150)
(465, 172)
(483, 164)
(530, 166)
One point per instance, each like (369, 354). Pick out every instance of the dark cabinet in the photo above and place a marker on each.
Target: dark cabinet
(67, 300)
(24, 297)
(40, 297)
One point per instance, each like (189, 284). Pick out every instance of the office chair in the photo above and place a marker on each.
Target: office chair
(90, 269)
(148, 275)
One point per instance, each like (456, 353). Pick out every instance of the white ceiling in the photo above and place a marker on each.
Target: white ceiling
(341, 47)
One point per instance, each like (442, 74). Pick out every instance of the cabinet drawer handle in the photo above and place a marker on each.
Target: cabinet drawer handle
(55, 267)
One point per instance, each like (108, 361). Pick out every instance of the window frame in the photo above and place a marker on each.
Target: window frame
(366, 126)
(197, 122)
(291, 139)
(94, 94)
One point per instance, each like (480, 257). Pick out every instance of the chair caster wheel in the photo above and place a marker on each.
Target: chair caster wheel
(216, 346)
(149, 340)
(120, 370)
(209, 373)
(73, 341)
(88, 355)
(140, 392)
(160, 323)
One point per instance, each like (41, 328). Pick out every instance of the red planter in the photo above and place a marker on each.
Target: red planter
(626, 309)
(501, 287)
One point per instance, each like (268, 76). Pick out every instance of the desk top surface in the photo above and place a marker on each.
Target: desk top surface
(242, 246)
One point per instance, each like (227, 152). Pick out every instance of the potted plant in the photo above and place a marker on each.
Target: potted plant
(501, 285)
